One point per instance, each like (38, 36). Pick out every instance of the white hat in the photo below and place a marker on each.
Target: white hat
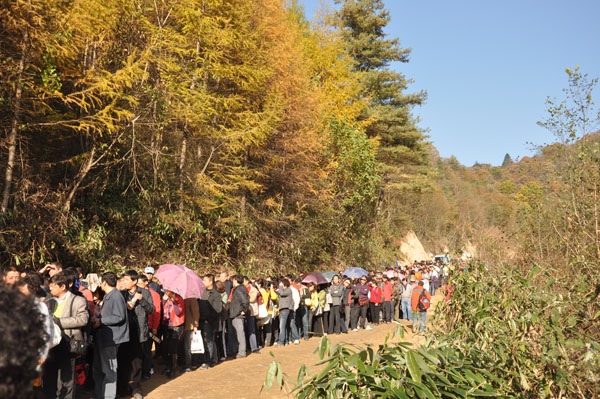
(149, 269)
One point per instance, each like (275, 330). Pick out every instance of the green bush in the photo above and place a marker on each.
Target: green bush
(501, 335)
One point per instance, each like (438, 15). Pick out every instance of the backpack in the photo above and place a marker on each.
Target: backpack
(423, 303)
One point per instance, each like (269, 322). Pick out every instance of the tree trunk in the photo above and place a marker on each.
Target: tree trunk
(82, 174)
(12, 138)
(181, 168)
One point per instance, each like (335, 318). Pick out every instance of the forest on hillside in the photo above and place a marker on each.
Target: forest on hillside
(542, 210)
(211, 133)
(239, 134)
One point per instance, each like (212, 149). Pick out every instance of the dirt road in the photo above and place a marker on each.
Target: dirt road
(243, 378)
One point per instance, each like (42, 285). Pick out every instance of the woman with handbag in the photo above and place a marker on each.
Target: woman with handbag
(70, 314)
(317, 303)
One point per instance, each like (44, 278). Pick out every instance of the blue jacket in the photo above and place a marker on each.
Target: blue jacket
(114, 324)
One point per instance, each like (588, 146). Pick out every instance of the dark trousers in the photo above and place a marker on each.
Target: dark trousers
(317, 324)
(334, 319)
(129, 359)
(266, 334)
(374, 313)
(387, 311)
(147, 357)
(59, 372)
(326, 321)
(208, 329)
(173, 335)
(302, 320)
(359, 311)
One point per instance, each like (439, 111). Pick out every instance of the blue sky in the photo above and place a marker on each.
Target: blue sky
(488, 67)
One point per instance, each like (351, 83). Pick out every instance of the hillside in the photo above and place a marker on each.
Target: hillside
(520, 212)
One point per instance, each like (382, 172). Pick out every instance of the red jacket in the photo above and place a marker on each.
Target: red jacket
(154, 317)
(176, 316)
(388, 290)
(376, 295)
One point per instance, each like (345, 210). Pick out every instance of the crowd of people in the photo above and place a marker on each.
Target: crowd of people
(106, 334)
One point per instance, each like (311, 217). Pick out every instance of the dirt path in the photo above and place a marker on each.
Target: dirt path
(243, 378)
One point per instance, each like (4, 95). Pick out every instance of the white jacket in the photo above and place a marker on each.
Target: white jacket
(295, 297)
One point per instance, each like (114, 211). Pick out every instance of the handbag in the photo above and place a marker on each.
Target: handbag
(262, 311)
(77, 346)
(197, 342)
(319, 310)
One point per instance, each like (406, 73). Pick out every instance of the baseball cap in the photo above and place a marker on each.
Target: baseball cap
(149, 269)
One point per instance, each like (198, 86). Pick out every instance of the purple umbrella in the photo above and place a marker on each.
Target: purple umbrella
(180, 280)
(315, 277)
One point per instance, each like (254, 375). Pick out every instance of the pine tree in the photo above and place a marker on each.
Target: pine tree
(507, 160)
(402, 151)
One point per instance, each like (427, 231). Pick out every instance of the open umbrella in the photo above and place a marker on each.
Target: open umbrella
(355, 272)
(180, 280)
(329, 275)
(315, 277)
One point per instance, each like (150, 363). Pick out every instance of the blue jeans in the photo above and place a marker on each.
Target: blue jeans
(432, 288)
(283, 330)
(406, 309)
(423, 316)
(295, 332)
(302, 320)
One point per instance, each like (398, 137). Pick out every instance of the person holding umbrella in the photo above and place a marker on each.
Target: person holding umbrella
(173, 320)
(362, 290)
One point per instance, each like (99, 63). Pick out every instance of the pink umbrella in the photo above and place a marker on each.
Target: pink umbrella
(389, 273)
(315, 277)
(180, 280)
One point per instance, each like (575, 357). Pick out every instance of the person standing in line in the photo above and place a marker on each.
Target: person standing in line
(336, 290)
(238, 308)
(250, 320)
(405, 298)
(420, 301)
(388, 291)
(286, 303)
(111, 330)
(153, 284)
(71, 314)
(294, 330)
(362, 292)
(190, 327)
(139, 305)
(375, 301)
(347, 303)
(173, 320)
(211, 307)
(317, 303)
(396, 300)
(303, 309)
(153, 325)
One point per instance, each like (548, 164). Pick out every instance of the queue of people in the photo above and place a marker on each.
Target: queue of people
(106, 334)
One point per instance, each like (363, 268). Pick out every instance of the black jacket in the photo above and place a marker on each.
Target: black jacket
(138, 316)
(239, 302)
(210, 305)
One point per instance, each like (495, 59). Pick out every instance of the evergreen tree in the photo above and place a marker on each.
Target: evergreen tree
(402, 151)
(507, 160)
